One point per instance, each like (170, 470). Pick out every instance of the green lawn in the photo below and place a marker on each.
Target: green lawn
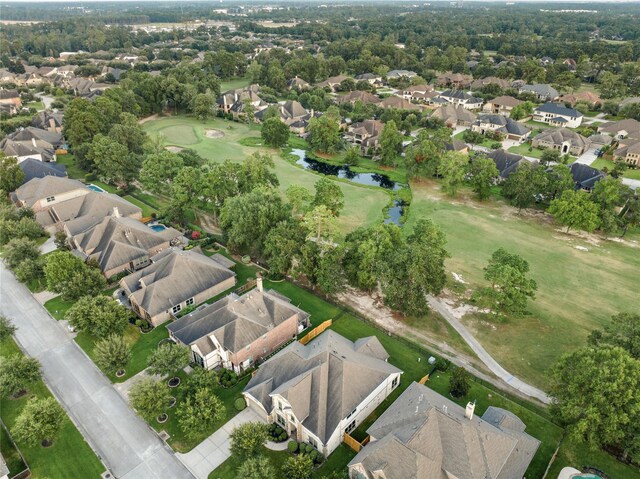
(10, 454)
(363, 205)
(69, 456)
(486, 142)
(146, 209)
(526, 150)
(73, 170)
(234, 83)
(58, 307)
(601, 163)
(578, 291)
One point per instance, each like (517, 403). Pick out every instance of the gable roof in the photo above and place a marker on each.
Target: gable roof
(541, 89)
(557, 109)
(324, 380)
(558, 136)
(424, 435)
(631, 126)
(353, 96)
(506, 162)
(173, 277)
(235, 321)
(507, 125)
(39, 169)
(26, 134)
(39, 188)
(399, 103)
(460, 95)
(584, 176)
(505, 100)
(450, 113)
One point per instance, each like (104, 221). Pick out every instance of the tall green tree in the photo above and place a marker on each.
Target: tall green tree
(159, 170)
(574, 209)
(112, 354)
(7, 329)
(423, 157)
(39, 421)
(199, 411)
(129, 133)
(596, 394)
(283, 244)
(298, 197)
(324, 133)
(11, 175)
(329, 194)
(322, 226)
(113, 161)
(18, 250)
(453, 170)
(482, 176)
(202, 106)
(256, 467)
(68, 275)
(248, 439)
(168, 359)
(150, 398)
(100, 316)
(559, 179)
(298, 467)
(524, 185)
(390, 144)
(608, 194)
(459, 383)
(17, 372)
(274, 132)
(623, 331)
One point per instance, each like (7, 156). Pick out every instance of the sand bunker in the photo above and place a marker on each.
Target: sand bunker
(214, 134)
(174, 149)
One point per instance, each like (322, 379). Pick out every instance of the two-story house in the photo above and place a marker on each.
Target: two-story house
(507, 127)
(501, 105)
(365, 135)
(561, 139)
(462, 98)
(176, 280)
(319, 391)
(557, 115)
(236, 332)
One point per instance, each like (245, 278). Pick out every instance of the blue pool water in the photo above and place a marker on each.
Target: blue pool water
(95, 188)
(158, 227)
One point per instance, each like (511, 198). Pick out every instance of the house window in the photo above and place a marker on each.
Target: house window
(351, 413)
(313, 442)
(50, 199)
(280, 420)
(190, 302)
(350, 427)
(198, 359)
(394, 383)
(176, 308)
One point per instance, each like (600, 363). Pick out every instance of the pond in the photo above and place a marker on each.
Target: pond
(343, 171)
(395, 212)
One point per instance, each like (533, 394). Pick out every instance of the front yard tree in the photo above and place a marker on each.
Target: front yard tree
(6, 328)
(257, 467)
(159, 170)
(39, 421)
(248, 439)
(298, 467)
(510, 286)
(150, 398)
(16, 373)
(68, 275)
(596, 394)
(11, 175)
(199, 411)
(623, 331)
(575, 209)
(274, 132)
(18, 250)
(168, 359)
(390, 144)
(483, 175)
(100, 316)
(459, 383)
(523, 186)
(329, 194)
(112, 353)
(550, 155)
(453, 170)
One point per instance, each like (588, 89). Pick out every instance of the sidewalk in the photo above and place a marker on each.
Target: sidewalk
(214, 450)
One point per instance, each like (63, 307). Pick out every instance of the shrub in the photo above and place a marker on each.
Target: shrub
(314, 456)
(309, 448)
(319, 458)
(292, 446)
(240, 404)
(195, 235)
(282, 437)
(442, 364)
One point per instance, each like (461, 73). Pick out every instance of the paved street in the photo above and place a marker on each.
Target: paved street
(214, 450)
(123, 441)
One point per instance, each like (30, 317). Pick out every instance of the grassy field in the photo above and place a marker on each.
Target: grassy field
(146, 209)
(234, 83)
(363, 206)
(69, 456)
(523, 149)
(578, 291)
(601, 163)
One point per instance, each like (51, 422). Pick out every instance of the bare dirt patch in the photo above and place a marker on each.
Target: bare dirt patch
(174, 149)
(211, 133)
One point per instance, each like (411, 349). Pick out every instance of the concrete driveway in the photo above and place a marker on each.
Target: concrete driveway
(119, 437)
(587, 157)
(214, 450)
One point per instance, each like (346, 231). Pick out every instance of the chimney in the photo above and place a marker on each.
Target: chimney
(259, 282)
(116, 212)
(468, 412)
(33, 142)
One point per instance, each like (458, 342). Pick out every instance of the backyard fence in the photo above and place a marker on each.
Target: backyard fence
(246, 287)
(353, 444)
(316, 331)
(424, 379)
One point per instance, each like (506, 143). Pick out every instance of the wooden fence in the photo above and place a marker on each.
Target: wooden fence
(246, 287)
(353, 444)
(316, 331)
(424, 379)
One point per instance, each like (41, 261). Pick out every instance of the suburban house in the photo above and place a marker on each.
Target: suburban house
(457, 145)
(454, 115)
(121, 244)
(37, 169)
(628, 128)
(319, 391)
(292, 114)
(10, 102)
(501, 105)
(590, 98)
(507, 127)
(541, 91)
(414, 92)
(21, 150)
(483, 82)
(234, 98)
(42, 193)
(400, 74)
(176, 280)
(48, 120)
(584, 176)
(557, 115)
(365, 135)
(561, 139)
(370, 78)
(333, 83)
(235, 332)
(628, 151)
(462, 98)
(353, 96)
(506, 162)
(298, 84)
(398, 103)
(454, 80)
(424, 435)
(31, 133)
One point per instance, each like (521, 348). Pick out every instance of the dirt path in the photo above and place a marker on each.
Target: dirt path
(205, 220)
(370, 308)
(142, 121)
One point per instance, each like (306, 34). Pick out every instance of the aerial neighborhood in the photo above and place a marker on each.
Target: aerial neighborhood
(303, 241)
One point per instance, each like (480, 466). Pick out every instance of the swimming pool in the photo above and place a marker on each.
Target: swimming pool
(158, 227)
(95, 188)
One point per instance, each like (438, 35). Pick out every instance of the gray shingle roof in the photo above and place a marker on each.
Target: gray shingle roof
(324, 380)
(507, 125)
(558, 136)
(39, 169)
(556, 109)
(39, 188)
(424, 435)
